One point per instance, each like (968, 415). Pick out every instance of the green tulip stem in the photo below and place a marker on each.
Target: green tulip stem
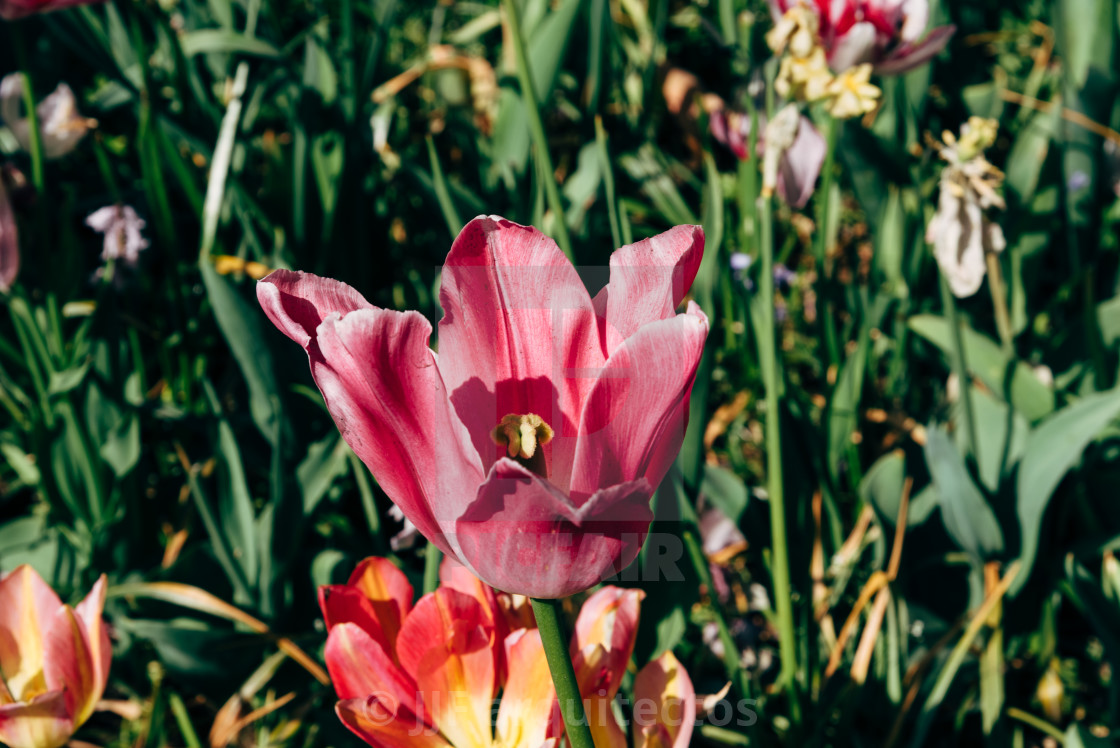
(36, 140)
(536, 127)
(547, 613)
(768, 343)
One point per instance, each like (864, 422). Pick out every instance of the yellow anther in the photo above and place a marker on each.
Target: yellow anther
(521, 435)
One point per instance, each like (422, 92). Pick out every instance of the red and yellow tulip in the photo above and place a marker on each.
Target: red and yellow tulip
(428, 674)
(54, 661)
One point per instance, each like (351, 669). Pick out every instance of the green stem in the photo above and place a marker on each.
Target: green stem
(536, 127)
(769, 344)
(960, 366)
(820, 246)
(432, 558)
(563, 674)
(19, 41)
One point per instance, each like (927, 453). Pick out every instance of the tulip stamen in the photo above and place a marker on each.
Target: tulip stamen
(521, 435)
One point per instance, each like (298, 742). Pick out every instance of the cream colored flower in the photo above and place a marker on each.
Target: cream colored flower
(60, 124)
(797, 29)
(804, 78)
(852, 93)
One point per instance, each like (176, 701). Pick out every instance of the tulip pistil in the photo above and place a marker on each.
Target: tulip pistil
(521, 435)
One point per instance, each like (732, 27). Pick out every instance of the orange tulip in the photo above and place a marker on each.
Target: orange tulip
(425, 675)
(54, 661)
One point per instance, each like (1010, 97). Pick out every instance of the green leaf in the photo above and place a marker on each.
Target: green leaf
(670, 632)
(326, 460)
(1078, 737)
(725, 491)
(1052, 449)
(64, 381)
(966, 514)
(242, 326)
(986, 360)
(206, 41)
(1028, 154)
(1003, 433)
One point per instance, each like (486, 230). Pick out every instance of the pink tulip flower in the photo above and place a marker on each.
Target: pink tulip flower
(13, 9)
(426, 675)
(529, 448)
(54, 661)
(886, 33)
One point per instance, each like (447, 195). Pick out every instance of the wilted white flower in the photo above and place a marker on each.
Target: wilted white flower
(121, 227)
(406, 538)
(61, 127)
(961, 232)
(780, 134)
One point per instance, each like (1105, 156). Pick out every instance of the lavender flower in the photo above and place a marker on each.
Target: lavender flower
(121, 226)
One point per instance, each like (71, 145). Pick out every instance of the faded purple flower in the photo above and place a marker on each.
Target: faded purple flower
(800, 163)
(1078, 180)
(9, 242)
(783, 276)
(121, 226)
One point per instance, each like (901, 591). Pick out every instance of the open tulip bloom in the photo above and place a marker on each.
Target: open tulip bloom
(54, 661)
(529, 448)
(888, 34)
(427, 674)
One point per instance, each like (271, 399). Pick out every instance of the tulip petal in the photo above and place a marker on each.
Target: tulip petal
(384, 390)
(9, 242)
(801, 165)
(389, 592)
(608, 618)
(43, 722)
(524, 536)
(97, 636)
(445, 646)
(67, 665)
(529, 711)
(375, 722)
(854, 46)
(664, 705)
(297, 302)
(634, 420)
(519, 333)
(909, 56)
(344, 604)
(648, 281)
(453, 575)
(27, 606)
(360, 668)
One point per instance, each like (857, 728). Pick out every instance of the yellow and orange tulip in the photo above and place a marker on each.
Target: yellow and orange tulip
(54, 661)
(426, 675)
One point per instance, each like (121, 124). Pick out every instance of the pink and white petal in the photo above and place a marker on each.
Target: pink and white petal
(801, 165)
(855, 46)
(360, 667)
(448, 650)
(519, 333)
(68, 666)
(9, 243)
(909, 56)
(389, 593)
(27, 605)
(43, 722)
(664, 704)
(634, 420)
(524, 536)
(529, 712)
(345, 604)
(648, 281)
(298, 302)
(375, 722)
(915, 18)
(100, 648)
(384, 390)
(609, 618)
